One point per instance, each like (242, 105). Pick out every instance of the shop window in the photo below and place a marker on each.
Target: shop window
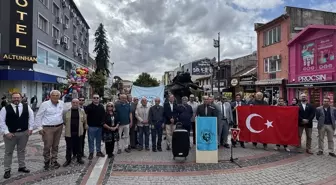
(52, 59)
(315, 97)
(330, 93)
(42, 55)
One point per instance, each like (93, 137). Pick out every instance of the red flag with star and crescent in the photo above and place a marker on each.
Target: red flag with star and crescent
(268, 124)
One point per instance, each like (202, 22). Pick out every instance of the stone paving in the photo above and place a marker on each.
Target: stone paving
(74, 174)
(146, 167)
(258, 167)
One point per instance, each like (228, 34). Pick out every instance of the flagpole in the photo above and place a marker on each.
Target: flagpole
(218, 68)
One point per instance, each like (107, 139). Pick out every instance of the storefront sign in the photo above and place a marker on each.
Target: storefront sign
(234, 82)
(12, 57)
(21, 27)
(201, 67)
(318, 55)
(313, 78)
(62, 80)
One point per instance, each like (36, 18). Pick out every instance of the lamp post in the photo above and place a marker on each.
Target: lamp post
(217, 45)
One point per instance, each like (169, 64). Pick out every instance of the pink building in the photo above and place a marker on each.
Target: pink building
(312, 64)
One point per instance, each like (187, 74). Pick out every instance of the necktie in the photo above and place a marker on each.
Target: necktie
(206, 110)
(17, 111)
(223, 110)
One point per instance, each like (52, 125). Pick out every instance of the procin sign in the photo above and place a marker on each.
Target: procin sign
(21, 31)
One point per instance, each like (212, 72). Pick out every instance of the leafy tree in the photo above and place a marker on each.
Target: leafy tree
(102, 50)
(97, 80)
(145, 80)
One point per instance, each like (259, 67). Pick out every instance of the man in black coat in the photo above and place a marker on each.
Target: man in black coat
(306, 116)
(234, 106)
(205, 109)
(133, 131)
(170, 115)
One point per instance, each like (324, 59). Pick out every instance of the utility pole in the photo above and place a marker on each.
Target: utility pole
(217, 45)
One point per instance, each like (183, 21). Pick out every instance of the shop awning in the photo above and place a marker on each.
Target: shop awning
(321, 84)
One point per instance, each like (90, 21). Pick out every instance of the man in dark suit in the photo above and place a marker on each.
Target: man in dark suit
(170, 115)
(133, 130)
(306, 116)
(205, 109)
(259, 100)
(234, 106)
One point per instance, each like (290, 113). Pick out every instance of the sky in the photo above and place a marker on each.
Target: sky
(154, 36)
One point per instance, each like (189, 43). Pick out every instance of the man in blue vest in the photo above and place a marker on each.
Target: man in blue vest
(16, 123)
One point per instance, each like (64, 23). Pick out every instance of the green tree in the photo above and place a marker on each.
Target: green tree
(102, 50)
(97, 80)
(145, 80)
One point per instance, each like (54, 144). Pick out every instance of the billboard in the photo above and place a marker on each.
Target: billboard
(201, 67)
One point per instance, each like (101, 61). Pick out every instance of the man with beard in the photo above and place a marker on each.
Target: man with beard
(281, 102)
(306, 116)
(16, 123)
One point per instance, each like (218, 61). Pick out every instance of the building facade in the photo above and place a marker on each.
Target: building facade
(41, 42)
(272, 50)
(312, 64)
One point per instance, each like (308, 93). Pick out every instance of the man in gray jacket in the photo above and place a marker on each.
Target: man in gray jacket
(325, 116)
(224, 118)
(156, 122)
(141, 114)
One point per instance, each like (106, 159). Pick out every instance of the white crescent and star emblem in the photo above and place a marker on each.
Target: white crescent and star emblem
(248, 123)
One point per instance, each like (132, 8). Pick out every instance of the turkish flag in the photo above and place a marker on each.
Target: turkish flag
(268, 124)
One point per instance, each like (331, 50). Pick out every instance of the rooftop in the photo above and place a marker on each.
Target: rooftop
(72, 2)
(309, 29)
(250, 70)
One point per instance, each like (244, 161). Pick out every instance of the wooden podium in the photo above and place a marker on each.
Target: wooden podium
(206, 140)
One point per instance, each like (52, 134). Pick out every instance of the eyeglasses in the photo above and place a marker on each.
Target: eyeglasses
(95, 97)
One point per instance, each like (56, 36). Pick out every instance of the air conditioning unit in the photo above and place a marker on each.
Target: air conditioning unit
(82, 42)
(64, 40)
(57, 41)
(64, 4)
(72, 14)
(76, 54)
(67, 47)
(75, 37)
(66, 26)
(59, 20)
(80, 51)
(78, 22)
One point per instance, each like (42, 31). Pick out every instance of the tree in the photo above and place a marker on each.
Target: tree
(97, 80)
(102, 50)
(145, 80)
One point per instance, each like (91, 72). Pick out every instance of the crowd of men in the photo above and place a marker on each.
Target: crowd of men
(129, 124)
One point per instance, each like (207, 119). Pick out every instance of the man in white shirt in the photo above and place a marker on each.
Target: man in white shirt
(194, 106)
(16, 123)
(49, 120)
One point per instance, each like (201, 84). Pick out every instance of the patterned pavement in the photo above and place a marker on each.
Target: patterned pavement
(258, 167)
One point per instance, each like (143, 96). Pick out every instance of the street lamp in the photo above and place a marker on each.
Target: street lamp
(217, 45)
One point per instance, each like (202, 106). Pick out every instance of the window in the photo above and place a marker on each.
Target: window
(52, 59)
(61, 63)
(74, 30)
(55, 10)
(42, 56)
(272, 36)
(45, 2)
(80, 36)
(66, 20)
(43, 23)
(272, 64)
(74, 45)
(55, 33)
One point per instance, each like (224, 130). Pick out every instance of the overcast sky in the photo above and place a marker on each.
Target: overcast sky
(154, 36)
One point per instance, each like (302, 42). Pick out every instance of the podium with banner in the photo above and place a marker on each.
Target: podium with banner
(206, 140)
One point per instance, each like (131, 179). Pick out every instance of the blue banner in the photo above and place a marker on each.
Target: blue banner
(149, 92)
(206, 133)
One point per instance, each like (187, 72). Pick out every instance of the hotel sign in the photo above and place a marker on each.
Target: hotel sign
(21, 31)
(12, 57)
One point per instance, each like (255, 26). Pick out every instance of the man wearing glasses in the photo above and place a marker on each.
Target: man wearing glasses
(95, 119)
